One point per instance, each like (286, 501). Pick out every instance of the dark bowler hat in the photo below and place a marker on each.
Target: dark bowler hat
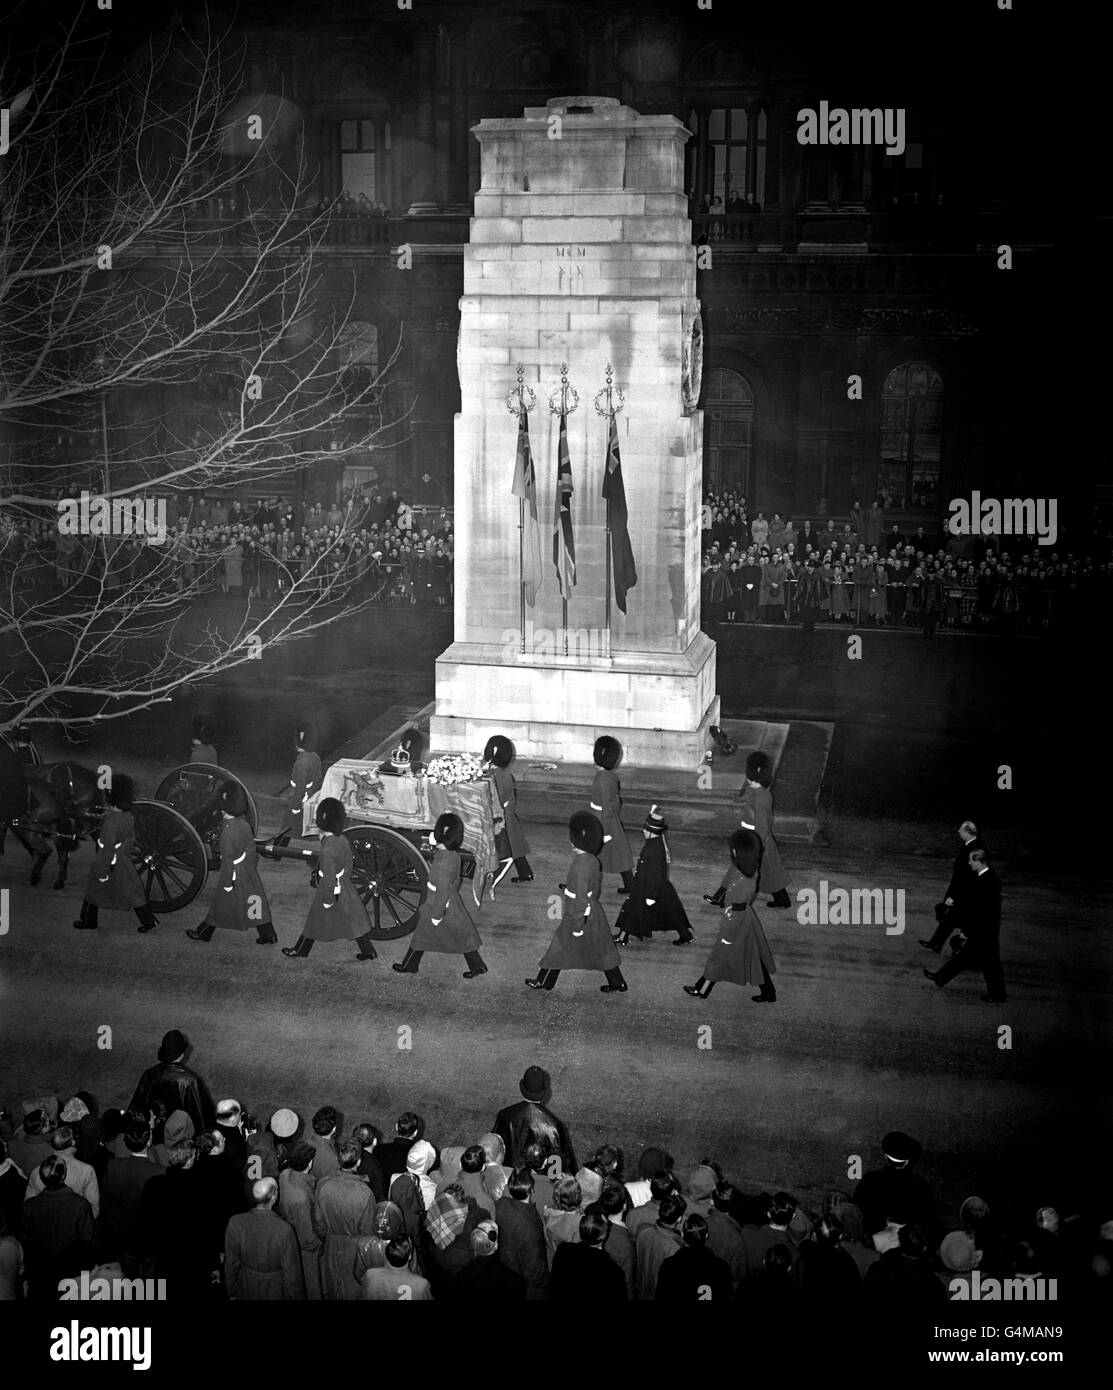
(655, 822)
(608, 750)
(745, 851)
(449, 830)
(499, 750)
(173, 1045)
(122, 791)
(900, 1148)
(759, 768)
(330, 815)
(307, 736)
(586, 832)
(233, 799)
(534, 1085)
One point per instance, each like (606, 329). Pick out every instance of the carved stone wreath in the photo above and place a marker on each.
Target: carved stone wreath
(691, 363)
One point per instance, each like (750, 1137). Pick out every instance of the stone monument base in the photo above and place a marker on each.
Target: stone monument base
(659, 707)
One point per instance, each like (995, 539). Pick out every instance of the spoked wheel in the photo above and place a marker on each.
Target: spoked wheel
(194, 790)
(169, 856)
(390, 877)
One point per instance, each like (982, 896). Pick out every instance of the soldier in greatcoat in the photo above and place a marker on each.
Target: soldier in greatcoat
(741, 954)
(240, 901)
(510, 843)
(305, 775)
(444, 924)
(756, 813)
(337, 913)
(582, 941)
(654, 905)
(606, 802)
(113, 879)
(202, 749)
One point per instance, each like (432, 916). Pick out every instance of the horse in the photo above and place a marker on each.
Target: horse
(62, 806)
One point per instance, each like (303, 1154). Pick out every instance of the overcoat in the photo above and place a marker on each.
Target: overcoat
(113, 880)
(863, 582)
(337, 914)
(773, 577)
(760, 801)
(305, 779)
(606, 801)
(508, 798)
(741, 949)
(879, 605)
(652, 885)
(444, 923)
(345, 1211)
(261, 1258)
(296, 1205)
(239, 884)
(582, 940)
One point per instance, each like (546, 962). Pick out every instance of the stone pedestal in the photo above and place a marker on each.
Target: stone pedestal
(580, 253)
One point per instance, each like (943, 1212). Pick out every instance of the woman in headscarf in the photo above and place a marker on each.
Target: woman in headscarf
(414, 1191)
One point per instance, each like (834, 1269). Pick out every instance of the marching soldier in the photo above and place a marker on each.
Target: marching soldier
(511, 843)
(606, 802)
(756, 813)
(444, 924)
(113, 880)
(305, 775)
(240, 901)
(201, 745)
(741, 955)
(337, 914)
(582, 941)
(654, 905)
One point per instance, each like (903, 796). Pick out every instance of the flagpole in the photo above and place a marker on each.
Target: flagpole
(608, 411)
(521, 409)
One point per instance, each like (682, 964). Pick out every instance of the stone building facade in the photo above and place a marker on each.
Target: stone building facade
(820, 265)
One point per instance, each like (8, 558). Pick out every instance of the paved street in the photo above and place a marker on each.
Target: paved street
(857, 1043)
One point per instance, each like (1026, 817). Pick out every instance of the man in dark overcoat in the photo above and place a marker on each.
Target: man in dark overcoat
(530, 1121)
(949, 912)
(981, 925)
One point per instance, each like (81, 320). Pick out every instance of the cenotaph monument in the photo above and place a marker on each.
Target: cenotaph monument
(580, 263)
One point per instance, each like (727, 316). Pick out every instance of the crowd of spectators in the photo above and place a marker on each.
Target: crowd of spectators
(863, 569)
(364, 545)
(307, 1206)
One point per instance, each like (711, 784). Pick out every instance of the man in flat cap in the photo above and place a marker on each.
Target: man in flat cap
(893, 1193)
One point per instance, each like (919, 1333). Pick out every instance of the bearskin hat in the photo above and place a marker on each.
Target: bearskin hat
(759, 769)
(121, 793)
(233, 799)
(607, 752)
(745, 851)
(307, 736)
(449, 830)
(413, 741)
(499, 750)
(330, 815)
(586, 832)
(203, 728)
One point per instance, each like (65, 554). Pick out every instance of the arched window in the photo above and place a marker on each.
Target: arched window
(911, 437)
(728, 412)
